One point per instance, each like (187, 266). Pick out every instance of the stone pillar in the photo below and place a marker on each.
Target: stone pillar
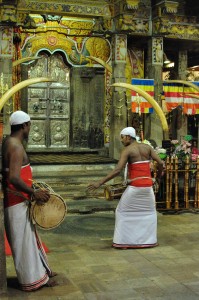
(154, 71)
(182, 64)
(3, 282)
(6, 42)
(182, 71)
(118, 109)
(6, 69)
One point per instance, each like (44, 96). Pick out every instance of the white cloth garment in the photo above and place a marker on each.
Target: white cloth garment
(136, 219)
(29, 256)
(19, 117)
(128, 131)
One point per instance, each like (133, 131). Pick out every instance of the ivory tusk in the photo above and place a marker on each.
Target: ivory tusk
(194, 86)
(152, 101)
(25, 59)
(20, 86)
(101, 62)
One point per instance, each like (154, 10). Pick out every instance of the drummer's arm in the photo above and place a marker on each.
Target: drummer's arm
(15, 163)
(160, 164)
(119, 167)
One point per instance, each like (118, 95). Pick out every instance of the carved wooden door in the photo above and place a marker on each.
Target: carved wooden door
(49, 104)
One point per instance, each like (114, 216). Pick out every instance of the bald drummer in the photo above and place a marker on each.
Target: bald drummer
(29, 256)
(136, 218)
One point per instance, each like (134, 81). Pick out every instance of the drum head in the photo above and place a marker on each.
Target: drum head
(51, 214)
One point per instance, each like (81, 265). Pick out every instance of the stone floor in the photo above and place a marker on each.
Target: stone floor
(89, 268)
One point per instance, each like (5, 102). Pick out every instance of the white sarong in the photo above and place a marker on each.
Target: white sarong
(136, 219)
(29, 256)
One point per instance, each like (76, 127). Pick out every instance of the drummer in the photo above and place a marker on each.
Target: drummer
(136, 218)
(29, 256)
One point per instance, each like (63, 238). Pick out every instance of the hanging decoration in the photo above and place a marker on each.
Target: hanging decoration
(144, 106)
(177, 94)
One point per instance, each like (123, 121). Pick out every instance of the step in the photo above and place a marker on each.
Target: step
(52, 170)
(71, 181)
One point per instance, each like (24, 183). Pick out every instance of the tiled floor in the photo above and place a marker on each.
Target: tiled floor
(80, 251)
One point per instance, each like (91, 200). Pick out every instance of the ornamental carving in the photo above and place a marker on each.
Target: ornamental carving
(132, 4)
(8, 14)
(138, 26)
(70, 35)
(176, 27)
(167, 7)
(86, 8)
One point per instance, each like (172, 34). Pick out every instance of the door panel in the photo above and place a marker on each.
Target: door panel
(49, 104)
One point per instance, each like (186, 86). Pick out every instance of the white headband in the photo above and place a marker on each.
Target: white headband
(128, 131)
(19, 117)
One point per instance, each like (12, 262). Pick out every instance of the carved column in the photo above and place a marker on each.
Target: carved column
(118, 110)
(182, 64)
(154, 71)
(3, 283)
(6, 46)
(182, 71)
(6, 76)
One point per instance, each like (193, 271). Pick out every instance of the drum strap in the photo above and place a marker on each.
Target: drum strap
(136, 178)
(17, 194)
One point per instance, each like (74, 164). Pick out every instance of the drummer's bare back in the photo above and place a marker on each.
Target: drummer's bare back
(141, 152)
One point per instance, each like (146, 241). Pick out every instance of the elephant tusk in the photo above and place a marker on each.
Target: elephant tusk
(194, 86)
(101, 62)
(20, 86)
(25, 59)
(152, 101)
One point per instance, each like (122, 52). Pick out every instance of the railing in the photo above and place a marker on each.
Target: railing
(179, 188)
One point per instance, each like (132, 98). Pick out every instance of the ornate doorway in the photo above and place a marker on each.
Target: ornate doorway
(49, 104)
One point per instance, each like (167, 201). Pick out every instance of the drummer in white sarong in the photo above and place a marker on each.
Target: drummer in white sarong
(136, 218)
(29, 256)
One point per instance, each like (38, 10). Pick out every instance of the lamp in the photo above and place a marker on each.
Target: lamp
(167, 62)
(165, 59)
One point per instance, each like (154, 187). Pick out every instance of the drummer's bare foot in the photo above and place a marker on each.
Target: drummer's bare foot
(53, 274)
(51, 283)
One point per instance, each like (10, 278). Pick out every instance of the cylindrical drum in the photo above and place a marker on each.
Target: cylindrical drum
(114, 191)
(50, 214)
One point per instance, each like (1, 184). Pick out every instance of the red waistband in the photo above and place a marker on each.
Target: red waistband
(10, 198)
(140, 174)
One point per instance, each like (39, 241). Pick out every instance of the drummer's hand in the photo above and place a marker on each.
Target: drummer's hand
(93, 186)
(41, 196)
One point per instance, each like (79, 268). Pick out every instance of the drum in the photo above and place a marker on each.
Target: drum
(50, 214)
(114, 191)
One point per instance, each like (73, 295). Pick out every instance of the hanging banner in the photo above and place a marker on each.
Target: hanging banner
(177, 94)
(138, 103)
